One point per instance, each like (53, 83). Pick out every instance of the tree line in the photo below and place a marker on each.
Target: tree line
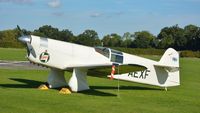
(187, 38)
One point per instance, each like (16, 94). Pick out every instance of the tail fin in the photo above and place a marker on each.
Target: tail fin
(170, 63)
(170, 60)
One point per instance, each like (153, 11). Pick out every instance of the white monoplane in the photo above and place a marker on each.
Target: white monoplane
(62, 56)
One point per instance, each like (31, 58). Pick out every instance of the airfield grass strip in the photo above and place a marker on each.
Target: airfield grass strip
(19, 94)
(12, 54)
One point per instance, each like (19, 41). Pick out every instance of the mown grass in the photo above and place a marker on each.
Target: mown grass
(19, 94)
(12, 54)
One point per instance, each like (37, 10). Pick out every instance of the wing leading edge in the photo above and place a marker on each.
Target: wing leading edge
(101, 71)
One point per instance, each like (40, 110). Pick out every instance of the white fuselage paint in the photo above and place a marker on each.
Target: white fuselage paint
(64, 55)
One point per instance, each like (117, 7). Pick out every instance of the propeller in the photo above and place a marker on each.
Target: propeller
(27, 40)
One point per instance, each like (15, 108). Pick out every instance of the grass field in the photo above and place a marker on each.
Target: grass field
(19, 94)
(12, 54)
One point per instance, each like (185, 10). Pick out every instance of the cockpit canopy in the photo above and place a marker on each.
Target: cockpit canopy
(104, 51)
(114, 55)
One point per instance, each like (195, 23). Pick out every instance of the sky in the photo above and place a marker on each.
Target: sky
(103, 16)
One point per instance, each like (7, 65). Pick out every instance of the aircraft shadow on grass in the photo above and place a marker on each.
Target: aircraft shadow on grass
(26, 83)
(124, 87)
(94, 90)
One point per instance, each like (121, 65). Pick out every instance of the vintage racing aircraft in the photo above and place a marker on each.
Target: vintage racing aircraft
(62, 56)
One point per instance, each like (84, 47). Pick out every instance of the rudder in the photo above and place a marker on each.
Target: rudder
(170, 58)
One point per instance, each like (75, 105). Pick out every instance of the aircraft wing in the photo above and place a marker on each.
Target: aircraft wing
(102, 70)
(89, 66)
(119, 69)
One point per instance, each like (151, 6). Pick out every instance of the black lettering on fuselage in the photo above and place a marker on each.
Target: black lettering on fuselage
(130, 74)
(135, 75)
(139, 74)
(146, 73)
(142, 74)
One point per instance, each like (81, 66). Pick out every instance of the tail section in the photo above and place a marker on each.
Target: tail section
(164, 73)
(167, 69)
(170, 58)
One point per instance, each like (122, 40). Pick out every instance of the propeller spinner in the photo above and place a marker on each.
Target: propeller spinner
(27, 40)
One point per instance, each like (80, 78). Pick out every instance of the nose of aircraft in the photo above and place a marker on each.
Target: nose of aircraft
(25, 39)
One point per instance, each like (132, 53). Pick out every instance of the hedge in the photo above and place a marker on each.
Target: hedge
(159, 52)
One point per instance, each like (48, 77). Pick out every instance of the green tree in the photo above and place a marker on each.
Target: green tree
(165, 38)
(9, 38)
(172, 37)
(66, 35)
(143, 39)
(89, 38)
(47, 31)
(166, 42)
(106, 40)
(127, 39)
(191, 34)
(197, 44)
(113, 40)
(180, 39)
(54, 33)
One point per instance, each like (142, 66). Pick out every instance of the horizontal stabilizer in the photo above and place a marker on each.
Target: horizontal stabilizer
(168, 68)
